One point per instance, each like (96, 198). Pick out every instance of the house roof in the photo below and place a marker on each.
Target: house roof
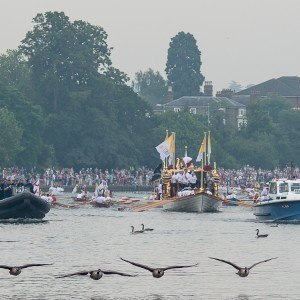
(283, 86)
(196, 101)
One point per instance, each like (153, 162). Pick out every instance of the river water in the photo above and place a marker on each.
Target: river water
(88, 238)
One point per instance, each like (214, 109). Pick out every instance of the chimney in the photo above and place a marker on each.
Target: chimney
(170, 95)
(208, 88)
(228, 93)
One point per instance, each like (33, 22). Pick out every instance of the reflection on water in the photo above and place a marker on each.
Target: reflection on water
(90, 238)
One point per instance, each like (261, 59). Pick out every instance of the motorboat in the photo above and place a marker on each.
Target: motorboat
(282, 202)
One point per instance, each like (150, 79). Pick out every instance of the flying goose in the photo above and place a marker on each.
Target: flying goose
(157, 272)
(135, 231)
(242, 271)
(146, 229)
(96, 274)
(17, 269)
(260, 235)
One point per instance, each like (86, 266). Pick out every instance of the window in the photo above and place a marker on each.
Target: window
(193, 110)
(283, 187)
(177, 109)
(273, 188)
(242, 112)
(295, 187)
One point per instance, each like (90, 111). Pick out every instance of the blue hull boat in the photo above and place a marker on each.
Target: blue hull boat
(281, 201)
(278, 211)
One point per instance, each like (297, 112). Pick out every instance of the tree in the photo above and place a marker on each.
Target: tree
(236, 87)
(183, 65)
(30, 118)
(10, 137)
(64, 56)
(151, 86)
(14, 71)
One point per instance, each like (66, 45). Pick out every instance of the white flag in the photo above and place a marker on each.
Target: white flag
(164, 150)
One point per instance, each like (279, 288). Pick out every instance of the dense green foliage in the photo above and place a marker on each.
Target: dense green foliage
(64, 104)
(10, 137)
(151, 86)
(183, 65)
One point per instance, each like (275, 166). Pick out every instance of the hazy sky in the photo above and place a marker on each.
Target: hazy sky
(248, 41)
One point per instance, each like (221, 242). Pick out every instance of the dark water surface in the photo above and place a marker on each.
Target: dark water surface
(88, 238)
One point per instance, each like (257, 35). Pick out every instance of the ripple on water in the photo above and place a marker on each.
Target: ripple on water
(89, 238)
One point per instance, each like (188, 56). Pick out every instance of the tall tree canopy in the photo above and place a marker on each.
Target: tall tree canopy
(151, 86)
(30, 118)
(14, 71)
(10, 137)
(64, 56)
(183, 65)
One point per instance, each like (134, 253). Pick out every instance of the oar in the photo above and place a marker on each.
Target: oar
(63, 205)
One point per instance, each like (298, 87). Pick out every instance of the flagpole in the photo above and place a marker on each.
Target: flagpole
(205, 149)
(166, 158)
(174, 158)
(202, 170)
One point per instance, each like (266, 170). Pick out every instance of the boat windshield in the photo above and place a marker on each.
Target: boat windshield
(295, 187)
(283, 187)
(273, 188)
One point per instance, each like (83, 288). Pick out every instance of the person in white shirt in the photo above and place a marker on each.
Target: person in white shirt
(193, 180)
(265, 194)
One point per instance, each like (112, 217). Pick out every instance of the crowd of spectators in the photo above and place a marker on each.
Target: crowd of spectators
(247, 177)
(88, 177)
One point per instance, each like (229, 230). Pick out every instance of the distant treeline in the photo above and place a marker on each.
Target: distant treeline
(64, 104)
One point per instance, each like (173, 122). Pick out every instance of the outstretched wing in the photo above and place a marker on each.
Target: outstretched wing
(138, 265)
(178, 267)
(261, 262)
(74, 274)
(5, 267)
(117, 273)
(227, 262)
(33, 265)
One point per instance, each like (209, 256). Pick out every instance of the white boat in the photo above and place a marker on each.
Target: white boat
(55, 191)
(200, 203)
(282, 202)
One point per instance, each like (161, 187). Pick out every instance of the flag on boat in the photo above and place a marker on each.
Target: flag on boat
(202, 149)
(208, 148)
(166, 148)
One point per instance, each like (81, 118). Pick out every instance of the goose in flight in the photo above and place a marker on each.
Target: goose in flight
(135, 231)
(146, 229)
(16, 270)
(157, 272)
(242, 271)
(96, 274)
(260, 235)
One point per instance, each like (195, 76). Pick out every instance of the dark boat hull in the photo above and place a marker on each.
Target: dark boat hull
(23, 205)
(105, 205)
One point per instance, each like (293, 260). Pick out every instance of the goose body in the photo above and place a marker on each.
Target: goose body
(242, 271)
(157, 272)
(146, 229)
(260, 235)
(95, 274)
(136, 231)
(16, 270)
